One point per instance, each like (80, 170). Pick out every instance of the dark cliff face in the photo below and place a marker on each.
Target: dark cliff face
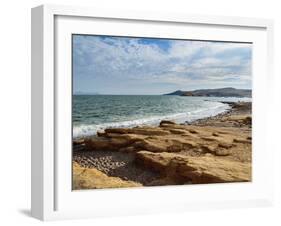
(223, 92)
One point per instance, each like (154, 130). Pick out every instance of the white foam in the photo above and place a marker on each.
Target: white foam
(216, 108)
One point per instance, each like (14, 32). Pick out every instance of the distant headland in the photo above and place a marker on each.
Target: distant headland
(221, 92)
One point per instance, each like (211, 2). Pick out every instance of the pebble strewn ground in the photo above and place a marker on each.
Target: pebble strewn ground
(220, 119)
(116, 164)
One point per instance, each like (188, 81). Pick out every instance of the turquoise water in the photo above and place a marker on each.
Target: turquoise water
(96, 112)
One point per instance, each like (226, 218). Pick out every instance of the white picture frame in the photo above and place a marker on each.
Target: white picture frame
(52, 198)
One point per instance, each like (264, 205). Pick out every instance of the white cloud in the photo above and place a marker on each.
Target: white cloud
(189, 62)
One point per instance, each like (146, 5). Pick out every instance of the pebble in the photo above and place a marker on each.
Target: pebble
(117, 164)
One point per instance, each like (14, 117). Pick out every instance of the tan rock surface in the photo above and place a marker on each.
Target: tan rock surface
(231, 142)
(205, 169)
(84, 178)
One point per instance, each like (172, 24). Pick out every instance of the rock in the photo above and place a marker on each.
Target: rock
(248, 120)
(190, 140)
(188, 144)
(159, 144)
(215, 134)
(141, 131)
(209, 138)
(175, 148)
(153, 161)
(222, 152)
(97, 144)
(192, 131)
(150, 146)
(208, 149)
(117, 130)
(128, 149)
(225, 145)
(78, 142)
(177, 131)
(111, 141)
(237, 140)
(149, 132)
(101, 133)
(84, 178)
(203, 169)
(167, 122)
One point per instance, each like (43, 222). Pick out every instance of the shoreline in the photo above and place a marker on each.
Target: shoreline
(148, 155)
(231, 110)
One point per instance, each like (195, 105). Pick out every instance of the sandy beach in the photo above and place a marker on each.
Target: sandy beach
(210, 150)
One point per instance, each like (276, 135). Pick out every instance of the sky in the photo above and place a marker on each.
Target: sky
(125, 65)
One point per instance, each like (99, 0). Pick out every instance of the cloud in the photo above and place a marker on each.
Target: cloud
(100, 61)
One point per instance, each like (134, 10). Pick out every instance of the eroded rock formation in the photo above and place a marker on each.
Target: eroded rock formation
(209, 151)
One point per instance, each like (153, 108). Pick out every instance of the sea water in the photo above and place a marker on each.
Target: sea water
(91, 113)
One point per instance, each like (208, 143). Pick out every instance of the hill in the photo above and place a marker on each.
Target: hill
(222, 92)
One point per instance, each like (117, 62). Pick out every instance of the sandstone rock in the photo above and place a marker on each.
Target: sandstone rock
(189, 139)
(167, 122)
(177, 131)
(225, 145)
(215, 134)
(111, 141)
(208, 149)
(203, 169)
(192, 131)
(153, 161)
(84, 178)
(128, 149)
(117, 130)
(222, 152)
(98, 144)
(78, 142)
(161, 144)
(138, 130)
(105, 144)
(209, 138)
(248, 120)
(237, 140)
(150, 146)
(149, 131)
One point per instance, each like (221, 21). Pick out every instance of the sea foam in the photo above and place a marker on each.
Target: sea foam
(215, 108)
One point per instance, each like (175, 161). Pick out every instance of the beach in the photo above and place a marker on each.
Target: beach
(213, 149)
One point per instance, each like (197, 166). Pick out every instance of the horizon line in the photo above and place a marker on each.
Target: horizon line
(97, 93)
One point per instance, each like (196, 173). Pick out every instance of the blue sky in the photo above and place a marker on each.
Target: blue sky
(120, 65)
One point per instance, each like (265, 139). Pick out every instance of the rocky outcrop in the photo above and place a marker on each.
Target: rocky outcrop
(174, 138)
(205, 169)
(84, 178)
(208, 151)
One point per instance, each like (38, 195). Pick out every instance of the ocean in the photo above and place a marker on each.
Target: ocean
(91, 113)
